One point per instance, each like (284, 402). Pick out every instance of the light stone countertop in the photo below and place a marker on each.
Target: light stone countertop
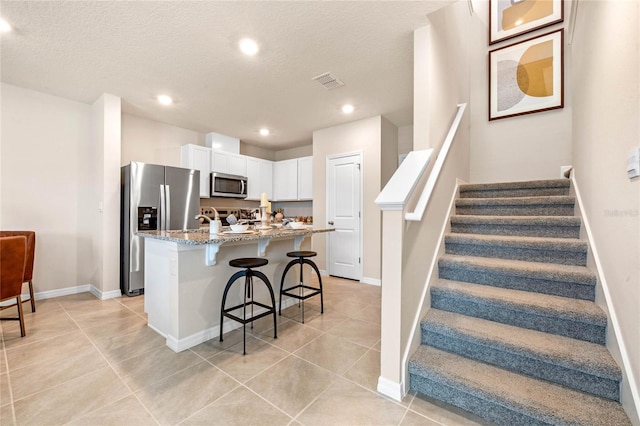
(201, 236)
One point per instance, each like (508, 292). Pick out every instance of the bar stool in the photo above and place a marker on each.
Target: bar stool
(248, 263)
(301, 259)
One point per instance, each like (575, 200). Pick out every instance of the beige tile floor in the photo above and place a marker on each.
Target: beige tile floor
(91, 362)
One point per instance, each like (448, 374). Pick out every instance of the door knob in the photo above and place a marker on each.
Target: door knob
(330, 222)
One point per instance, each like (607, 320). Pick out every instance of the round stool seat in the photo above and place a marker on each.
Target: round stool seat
(301, 254)
(248, 262)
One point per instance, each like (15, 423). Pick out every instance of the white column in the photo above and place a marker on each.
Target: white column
(390, 380)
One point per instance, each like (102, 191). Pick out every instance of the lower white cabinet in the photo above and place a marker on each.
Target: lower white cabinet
(199, 158)
(259, 177)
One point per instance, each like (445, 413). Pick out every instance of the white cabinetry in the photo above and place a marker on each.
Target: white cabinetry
(285, 180)
(226, 162)
(293, 179)
(305, 178)
(199, 158)
(259, 177)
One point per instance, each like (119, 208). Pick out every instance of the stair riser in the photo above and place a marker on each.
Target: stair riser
(562, 257)
(504, 193)
(563, 327)
(486, 409)
(488, 277)
(519, 231)
(517, 210)
(499, 357)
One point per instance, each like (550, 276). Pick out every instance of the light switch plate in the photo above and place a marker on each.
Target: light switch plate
(633, 163)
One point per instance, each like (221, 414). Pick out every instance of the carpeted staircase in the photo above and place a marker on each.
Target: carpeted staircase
(513, 334)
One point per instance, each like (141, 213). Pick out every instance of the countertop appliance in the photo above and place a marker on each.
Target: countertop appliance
(226, 185)
(152, 198)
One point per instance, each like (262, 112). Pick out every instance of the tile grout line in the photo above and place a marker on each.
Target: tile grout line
(112, 369)
(6, 363)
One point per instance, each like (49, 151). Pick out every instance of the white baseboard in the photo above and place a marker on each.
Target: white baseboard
(391, 389)
(50, 294)
(372, 281)
(104, 295)
(179, 345)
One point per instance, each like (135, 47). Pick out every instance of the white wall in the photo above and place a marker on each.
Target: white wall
(154, 142)
(405, 139)
(388, 151)
(606, 125)
(104, 195)
(363, 135)
(44, 179)
(288, 154)
(528, 147)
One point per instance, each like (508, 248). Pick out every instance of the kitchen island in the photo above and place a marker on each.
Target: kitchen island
(186, 272)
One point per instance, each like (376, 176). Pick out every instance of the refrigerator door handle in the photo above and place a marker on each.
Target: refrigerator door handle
(167, 221)
(162, 210)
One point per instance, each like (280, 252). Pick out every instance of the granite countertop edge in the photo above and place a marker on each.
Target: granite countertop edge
(201, 236)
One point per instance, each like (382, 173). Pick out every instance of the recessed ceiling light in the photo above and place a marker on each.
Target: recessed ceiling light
(264, 131)
(4, 26)
(165, 100)
(248, 46)
(347, 108)
(518, 22)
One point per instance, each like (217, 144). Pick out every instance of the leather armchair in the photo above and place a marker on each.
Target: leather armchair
(12, 264)
(28, 270)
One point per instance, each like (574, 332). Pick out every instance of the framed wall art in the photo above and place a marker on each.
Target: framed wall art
(527, 76)
(509, 18)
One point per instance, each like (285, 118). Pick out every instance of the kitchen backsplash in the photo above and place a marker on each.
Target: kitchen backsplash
(291, 209)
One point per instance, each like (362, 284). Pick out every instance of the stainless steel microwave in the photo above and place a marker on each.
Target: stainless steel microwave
(226, 185)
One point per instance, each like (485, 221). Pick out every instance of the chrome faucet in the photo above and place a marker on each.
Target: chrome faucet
(216, 216)
(201, 216)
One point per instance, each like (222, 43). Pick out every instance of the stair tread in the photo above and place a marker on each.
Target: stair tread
(517, 201)
(517, 220)
(548, 243)
(586, 357)
(540, 303)
(536, 398)
(554, 271)
(529, 184)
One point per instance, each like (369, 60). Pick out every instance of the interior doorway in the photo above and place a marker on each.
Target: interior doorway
(344, 213)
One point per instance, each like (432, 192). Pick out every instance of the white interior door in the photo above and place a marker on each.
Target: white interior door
(343, 213)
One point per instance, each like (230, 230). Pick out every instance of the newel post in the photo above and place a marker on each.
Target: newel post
(390, 380)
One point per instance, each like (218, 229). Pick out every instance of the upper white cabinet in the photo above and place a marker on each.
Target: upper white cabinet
(226, 162)
(285, 180)
(199, 158)
(293, 179)
(260, 178)
(305, 178)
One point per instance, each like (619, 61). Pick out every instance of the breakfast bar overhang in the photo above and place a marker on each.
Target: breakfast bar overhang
(186, 272)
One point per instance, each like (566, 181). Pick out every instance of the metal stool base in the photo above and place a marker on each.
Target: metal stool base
(301, 286)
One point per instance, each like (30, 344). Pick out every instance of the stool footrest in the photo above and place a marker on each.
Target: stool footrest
(315, 292)
(269, 311)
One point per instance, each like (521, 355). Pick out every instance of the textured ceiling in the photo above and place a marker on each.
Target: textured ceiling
(188, 50)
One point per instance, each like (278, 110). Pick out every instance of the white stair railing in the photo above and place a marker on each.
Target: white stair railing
(393, 200)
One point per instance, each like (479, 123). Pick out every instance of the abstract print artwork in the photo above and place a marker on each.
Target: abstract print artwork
(527, 77)
(509, 18)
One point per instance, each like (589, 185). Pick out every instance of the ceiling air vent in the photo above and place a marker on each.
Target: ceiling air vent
(328, 81)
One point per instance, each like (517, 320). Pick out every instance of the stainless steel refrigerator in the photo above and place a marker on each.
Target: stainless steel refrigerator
(153, 198)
